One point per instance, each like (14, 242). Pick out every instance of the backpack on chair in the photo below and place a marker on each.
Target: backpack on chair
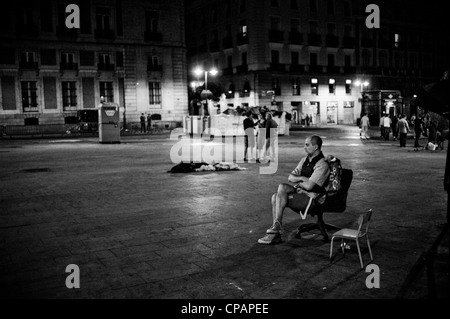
(334, 180)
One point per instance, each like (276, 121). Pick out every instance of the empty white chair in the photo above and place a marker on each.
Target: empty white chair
(355, 234)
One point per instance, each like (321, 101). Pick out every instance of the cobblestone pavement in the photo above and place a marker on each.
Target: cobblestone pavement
(136, 231)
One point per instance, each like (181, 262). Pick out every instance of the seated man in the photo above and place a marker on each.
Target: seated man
(310, 176)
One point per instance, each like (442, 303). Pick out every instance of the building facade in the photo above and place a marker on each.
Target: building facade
(315, 57)
(129, 52)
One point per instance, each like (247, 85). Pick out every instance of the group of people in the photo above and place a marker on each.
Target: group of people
(307, 119)
(400, 127)
(261, 134)
(149, 123)
(397, 123)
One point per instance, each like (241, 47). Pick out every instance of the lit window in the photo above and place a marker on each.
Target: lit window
(332, 86)
(106, 91)
(314, 86)
(154, 92)
(397, 40)
(29, 94)
(348, 86)
(69, 94)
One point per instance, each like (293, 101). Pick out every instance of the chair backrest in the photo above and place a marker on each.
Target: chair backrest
(337, 203)
(363, 223)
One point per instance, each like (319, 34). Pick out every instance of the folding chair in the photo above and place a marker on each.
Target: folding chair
(355, 234)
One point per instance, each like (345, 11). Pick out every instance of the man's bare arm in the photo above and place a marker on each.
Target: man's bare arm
(297, 179)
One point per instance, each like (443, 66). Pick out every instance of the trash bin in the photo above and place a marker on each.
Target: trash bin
(108, 123)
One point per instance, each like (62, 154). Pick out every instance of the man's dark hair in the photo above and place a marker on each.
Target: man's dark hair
(316, 140)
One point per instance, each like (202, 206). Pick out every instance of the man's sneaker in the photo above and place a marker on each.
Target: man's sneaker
(270, 239)
(275, 229)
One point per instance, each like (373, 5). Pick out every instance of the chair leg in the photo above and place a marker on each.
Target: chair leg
(370, 250)
(331, 248)
(343, 246)
(322, 227)
(359, 254)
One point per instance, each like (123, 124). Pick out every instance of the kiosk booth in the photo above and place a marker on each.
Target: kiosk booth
(108, 123)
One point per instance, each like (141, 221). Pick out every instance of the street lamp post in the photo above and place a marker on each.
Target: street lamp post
(361, 85)
(198, 71)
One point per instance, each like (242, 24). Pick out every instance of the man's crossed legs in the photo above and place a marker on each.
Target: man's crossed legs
(286, 196)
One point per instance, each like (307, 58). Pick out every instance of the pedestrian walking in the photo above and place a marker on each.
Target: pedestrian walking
(387, 126)
(249, 129)
(365, 124)
(142, 123)
(394, 120)
(381, 125)
(403, 129)
(149, 123)
(418, 129)
(261, 137)
(271, 136)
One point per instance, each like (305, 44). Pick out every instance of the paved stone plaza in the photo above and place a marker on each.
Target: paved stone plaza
(136, 231)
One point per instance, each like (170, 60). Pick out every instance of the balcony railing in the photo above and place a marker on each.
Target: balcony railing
(349, 70)
(277, 67)
(152, 36)
(104, 34)
(25, 65)
(68, 66)
(333, 69)
(276, 36)
(27, 30)
(30, 108)
(64, 32)
(316, 69)
(154, 68)
(297, 68)
(105, 67)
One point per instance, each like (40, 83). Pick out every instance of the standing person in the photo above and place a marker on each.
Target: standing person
(307, 120)
(261, 137)
(142, 123)
(381, 125)
(149, 122)
(249, 129)
(270, 141)
(365, 124)
(394, 121)
(403, 129)
(310, 177)
(418, 129)
(387, 126)
(432, 129)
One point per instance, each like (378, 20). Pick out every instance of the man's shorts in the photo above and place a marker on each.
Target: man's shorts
(301, 203)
